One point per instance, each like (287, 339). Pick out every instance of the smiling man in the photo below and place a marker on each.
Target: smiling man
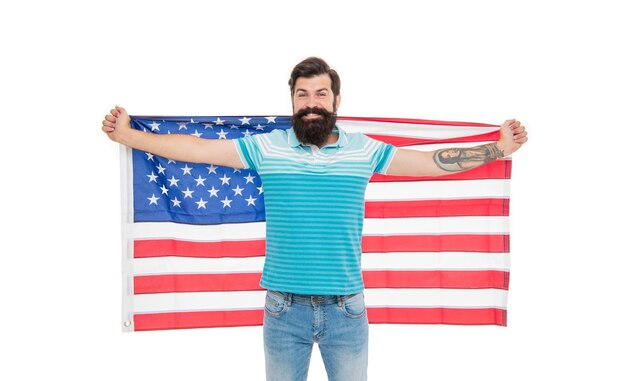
(314, 178)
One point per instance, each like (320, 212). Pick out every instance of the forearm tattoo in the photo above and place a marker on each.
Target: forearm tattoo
(460, 159)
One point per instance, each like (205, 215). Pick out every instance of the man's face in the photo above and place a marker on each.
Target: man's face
(314, 109)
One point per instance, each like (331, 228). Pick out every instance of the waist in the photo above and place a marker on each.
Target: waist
(311, 299)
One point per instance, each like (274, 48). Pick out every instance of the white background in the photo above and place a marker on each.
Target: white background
(556, 65)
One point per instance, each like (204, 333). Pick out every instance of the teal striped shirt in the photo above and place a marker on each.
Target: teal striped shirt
(314, 207)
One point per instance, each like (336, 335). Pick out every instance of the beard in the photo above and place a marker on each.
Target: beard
(315, 131)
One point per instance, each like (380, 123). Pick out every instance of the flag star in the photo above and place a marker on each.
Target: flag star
(234, 126)
(153, 199)
(259, 127)
(271, 119)
(186, 170)
(188, 193)
(245, 120)
(164, 190)
(208, 125)
(219, 122)
(222, 134)
(152, 177)
(238, 191)
(251, 200)
(260, 189)
(182, 125)
(213, 191)
(197, 134)
(235, 170)
(161, 168)
(150, 156)
(212, 169)
(154, 126)
(176, 202)
(173, 181)
(170, 161)
(199, 181)
(226, 202)
(192, 121)
(201, 203)
(246, 133)
(249, 178)
(225, 180)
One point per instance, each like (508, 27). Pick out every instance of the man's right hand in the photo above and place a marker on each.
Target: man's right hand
(116, 123)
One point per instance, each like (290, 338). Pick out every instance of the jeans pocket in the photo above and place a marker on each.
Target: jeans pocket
(275, 303)
(353, 306)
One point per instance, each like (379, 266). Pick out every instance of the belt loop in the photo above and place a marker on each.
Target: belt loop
(340, 300)
(289, 299)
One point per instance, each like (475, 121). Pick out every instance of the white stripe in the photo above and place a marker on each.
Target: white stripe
(371, 226)
(370, 261)
(242, 300)
(438, 189)
(424, 131)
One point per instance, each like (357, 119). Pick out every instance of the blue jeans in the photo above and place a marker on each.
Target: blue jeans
(292, 323)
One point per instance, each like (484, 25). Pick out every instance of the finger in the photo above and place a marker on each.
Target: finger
(121, 110)
(508, 122)
(108, 124)
(114, 112)
(110, 118)
(107, 129)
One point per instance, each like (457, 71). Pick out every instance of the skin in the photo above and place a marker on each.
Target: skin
(312, 92)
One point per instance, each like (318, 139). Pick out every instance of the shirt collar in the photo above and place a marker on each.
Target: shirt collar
(293, 141)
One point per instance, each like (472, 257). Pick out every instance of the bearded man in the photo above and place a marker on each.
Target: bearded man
(314, 178)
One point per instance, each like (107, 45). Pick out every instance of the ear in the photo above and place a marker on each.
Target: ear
(337, 102)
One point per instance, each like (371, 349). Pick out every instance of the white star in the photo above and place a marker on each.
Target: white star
(225, 180)
(238, 191)
(170, 161)
(247, 133)
(173, 181)
(208, 125)
(271, 119)
(222, 134)
(192, 121)
(199, 181)
(219, 122)
(152, 177)
(188, 193)
(182, 125)
(164, 190)
(150, 156)
(213, 191)
(153, 199)
(251, 200)
(155, 126)
(176, 202)
(201, 203)
(186, 170)
(197, 134)
(260, 189)
(161, 168)
(212, 169)
(259, 127)
(234, 126)
(226, 202)
(235, 170)
(245, 120)
(249, 178)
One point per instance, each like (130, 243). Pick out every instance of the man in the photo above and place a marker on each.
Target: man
(314, 178)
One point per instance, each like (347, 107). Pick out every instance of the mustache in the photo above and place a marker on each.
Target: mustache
(313, 110)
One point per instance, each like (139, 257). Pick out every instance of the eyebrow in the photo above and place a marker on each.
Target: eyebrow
(317, 91)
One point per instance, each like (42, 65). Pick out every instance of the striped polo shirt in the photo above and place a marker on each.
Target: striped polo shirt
(314, 207)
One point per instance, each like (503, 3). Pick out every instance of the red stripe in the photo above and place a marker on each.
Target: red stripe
(469, 316)
(416, 121)
(497, 243)
(167, 247)
(375, 315)
(152, 284)
(499, 169)
(437, 208)
(403, 141)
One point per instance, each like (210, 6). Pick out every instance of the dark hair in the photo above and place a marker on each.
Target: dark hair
(311, 67)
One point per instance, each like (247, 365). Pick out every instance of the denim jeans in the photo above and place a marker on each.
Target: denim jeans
(292, 323)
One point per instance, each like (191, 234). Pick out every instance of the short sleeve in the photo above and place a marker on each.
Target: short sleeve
(248, 150)
(382, 157)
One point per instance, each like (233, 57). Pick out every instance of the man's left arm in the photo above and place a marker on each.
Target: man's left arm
(447, 160)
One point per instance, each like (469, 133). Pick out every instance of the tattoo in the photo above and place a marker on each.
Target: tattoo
(460, 159)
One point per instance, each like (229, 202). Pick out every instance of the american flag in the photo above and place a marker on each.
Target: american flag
(435, 250)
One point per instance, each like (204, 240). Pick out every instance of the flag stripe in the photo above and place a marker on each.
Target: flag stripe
(499, 169)
(401, 141)
(435, 208)
(370, 261)
(373, 279)
(425, 122)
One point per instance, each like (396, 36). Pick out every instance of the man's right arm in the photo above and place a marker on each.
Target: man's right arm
(177, 147)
